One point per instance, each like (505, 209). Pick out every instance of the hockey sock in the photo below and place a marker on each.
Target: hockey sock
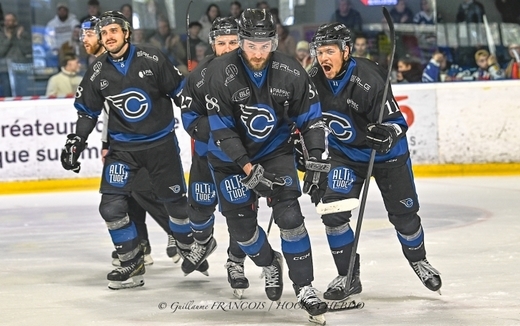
(258, 248)
(296, 248)
(181, 231)
(202, 232)
(340, 240)
(413, 245)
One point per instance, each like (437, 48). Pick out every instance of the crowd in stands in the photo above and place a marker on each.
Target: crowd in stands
(414, 62)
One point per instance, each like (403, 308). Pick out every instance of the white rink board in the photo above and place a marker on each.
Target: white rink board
(464, 122)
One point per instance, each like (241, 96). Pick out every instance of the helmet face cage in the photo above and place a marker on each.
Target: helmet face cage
(222, 26)
(327, 34)
(112, 17)
(257, 25)
(88, 25)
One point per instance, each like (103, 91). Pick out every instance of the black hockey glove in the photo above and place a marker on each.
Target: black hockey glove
(70, 153)
(263, 183)
(383, 136)
(315, 178)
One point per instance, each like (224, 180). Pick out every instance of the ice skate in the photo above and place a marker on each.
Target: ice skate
(310, 302)
(274, 277)
(203, 267)
(236, 278)
(129, 275)
(197, 254)
(428, 275)
(337, 289)
(148, 260)
(172, 250)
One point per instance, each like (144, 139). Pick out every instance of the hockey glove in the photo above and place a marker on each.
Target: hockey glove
(70, 153)
(315, 178)
(383, 136)
(263, 183)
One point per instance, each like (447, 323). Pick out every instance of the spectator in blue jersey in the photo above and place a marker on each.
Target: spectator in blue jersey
(435, 68)
(348, 16)
(401, 14)
(426, 15)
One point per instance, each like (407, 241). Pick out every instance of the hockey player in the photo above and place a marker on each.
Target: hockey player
(202, 197)
(142, 195)
(351, 91)
(138, 84)
(253, 94)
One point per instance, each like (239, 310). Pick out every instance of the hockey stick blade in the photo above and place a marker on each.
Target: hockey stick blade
(345, 205)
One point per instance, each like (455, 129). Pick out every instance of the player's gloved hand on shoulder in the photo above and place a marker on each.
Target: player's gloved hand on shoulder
(74, 145)
(383, 136)
(315, 178)
(263, 183)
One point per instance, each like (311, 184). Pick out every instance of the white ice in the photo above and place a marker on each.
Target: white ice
(56, 254)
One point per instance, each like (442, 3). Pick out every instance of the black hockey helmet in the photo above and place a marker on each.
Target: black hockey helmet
(257, 25)
(89, 24)
(113, 17)
(223, 26)
(331, 33)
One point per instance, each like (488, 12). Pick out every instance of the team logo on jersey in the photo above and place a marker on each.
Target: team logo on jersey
(147, 55)
(134, 104)
(259, 121)
(231, 73)
(203, 72)
(116, 174)
(285, 67)
(97, 70)
(279, 92)
(365, 86)
(241, 95)
(352, 104)
(233, 190)
(144, 73)
(175, 188)
(340, 126)
(211, 103)
(203, 193)
(103, 83)
(341, 179)
(313, 71)
(408, 202)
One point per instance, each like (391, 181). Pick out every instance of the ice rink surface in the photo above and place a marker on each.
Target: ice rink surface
(56, 254)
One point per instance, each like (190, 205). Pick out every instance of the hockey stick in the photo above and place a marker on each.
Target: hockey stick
(188, 50)
(345, 205)
(371, 161)
(489, 37)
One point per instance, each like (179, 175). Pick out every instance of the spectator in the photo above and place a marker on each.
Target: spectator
(128, 12)
(360, 47)
(93, 9)
(286, 43)
(138, 37)
(60, 28)
(303, 55)
(15, 42)
(348, 16)
(262, 5)
(409, 70)
(201, 50)
(235, 9)
(401, 14)
(512, 70)
(168, 42)
(194, 31)
(67, 80)
(470, 11)
(509, 10)
(212, 12)
(426, 15)
(74, 46)
(488, 68)
(435, 69)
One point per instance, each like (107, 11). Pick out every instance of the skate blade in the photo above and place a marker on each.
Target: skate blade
(176, 258)
(132, 282)
(205, 273)
(148, 260)
(318, 319)
(238, 293)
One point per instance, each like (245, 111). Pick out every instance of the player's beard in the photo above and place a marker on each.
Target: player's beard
(257, 64)
(114, 48)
